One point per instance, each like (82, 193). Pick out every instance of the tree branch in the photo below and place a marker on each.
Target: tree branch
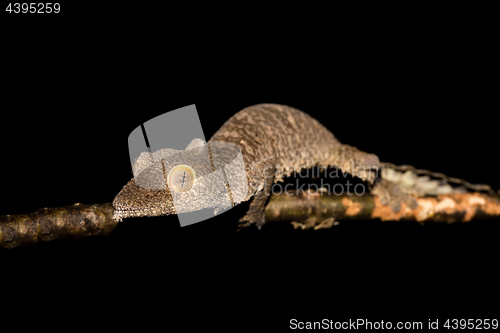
(305, 210)
(47, 224)
(310, 209)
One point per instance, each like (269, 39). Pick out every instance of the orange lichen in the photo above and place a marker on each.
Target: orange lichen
(491, 207)
(464, 205)
(426, 209)
(351, 208)
(385, 213)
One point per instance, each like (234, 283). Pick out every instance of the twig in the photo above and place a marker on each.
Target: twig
(312, 208)
(305, 210)
(48, 224)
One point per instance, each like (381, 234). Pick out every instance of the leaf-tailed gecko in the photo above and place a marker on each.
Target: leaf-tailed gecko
(271, 137)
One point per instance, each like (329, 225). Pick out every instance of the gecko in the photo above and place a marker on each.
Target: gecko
(275, 141)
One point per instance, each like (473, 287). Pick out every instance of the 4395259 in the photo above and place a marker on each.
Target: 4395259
(33, 7)
(471, 324)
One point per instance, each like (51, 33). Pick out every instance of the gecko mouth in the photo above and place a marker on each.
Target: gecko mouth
(120, 214)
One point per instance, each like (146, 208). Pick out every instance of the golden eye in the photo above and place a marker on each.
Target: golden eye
(181, 178)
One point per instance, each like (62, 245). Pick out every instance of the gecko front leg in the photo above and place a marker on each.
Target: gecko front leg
(255, 214)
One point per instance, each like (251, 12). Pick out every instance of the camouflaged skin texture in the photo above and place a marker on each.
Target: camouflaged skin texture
(275, 141)
(285, 139)
(135, 201)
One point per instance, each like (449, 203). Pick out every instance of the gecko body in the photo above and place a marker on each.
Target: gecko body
(275, 141)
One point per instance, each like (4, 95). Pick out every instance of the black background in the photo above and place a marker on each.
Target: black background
(421, 93)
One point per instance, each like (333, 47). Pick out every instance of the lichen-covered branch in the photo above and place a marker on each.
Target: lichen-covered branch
(48, 224)
(304, 210)
(315, 210)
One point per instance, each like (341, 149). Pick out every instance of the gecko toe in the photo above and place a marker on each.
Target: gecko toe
(257, 219)
(395, 206)
(392, 195)
(411, 202)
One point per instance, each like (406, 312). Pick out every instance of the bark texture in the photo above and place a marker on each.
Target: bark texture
(310, 209)
(47, 224)
(305, 210)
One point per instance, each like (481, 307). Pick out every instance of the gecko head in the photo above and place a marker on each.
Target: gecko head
(134, 201)
(150, 199)
(176, 182)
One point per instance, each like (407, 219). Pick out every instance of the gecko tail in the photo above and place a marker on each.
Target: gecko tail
(409, 170)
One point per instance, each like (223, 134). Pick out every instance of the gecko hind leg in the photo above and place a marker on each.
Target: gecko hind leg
(365, 166)
(391, 195)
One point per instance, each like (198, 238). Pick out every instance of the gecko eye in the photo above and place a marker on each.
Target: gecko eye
(181, 178)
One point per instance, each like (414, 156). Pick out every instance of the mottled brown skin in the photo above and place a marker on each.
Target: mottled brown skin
(275, 141)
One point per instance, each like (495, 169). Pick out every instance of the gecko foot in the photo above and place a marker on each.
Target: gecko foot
(391, 195)
(259, 219)
(255, 214)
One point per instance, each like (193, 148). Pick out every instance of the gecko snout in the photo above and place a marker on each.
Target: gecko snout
(134, 200)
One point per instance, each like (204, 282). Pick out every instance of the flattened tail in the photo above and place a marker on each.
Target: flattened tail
(420, 180)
